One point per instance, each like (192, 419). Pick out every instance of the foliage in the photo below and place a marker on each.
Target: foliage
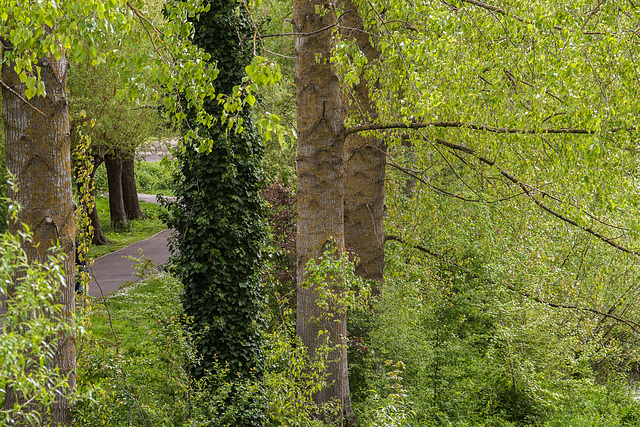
(32, 328)
(155, 177)
(517, 120)
(130, 362)
(281, 216)
(271, 17)
(83, 169)
(4, 205)
(78, 29)
(119, 126)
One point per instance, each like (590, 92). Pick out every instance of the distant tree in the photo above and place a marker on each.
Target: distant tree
(121, 127)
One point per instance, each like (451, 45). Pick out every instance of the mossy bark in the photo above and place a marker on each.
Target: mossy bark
(320, 196)
(38, 155)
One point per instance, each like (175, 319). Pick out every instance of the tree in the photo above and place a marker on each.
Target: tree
(38, 154)
(120, 127)
(320, 195)
(217, 218)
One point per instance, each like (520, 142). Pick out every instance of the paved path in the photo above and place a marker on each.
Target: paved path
(111, 271)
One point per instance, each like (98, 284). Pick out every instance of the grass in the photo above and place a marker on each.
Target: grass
(131, 357)
(138, 229)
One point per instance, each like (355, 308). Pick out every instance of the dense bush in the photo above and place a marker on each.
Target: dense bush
(154, 177)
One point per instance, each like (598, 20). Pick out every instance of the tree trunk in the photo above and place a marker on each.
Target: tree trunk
(320, 196)
(98, 237)
(38, 154)
(113, 164)
(365, 162)
(129, 190)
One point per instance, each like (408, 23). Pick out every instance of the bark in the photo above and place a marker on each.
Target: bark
(365, 161)
(98, 237)
(38, 154)
(129, 190)
(320, 197)
(113, 163)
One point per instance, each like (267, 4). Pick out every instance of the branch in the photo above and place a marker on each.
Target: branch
(527, 190)
(328, 27)
(472, 126)
(493, 9)
(635, 326)
(10, 89)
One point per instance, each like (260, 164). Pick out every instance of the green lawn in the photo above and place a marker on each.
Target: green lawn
(137, 230)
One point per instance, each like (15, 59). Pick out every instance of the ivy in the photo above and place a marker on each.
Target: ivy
(219, 232)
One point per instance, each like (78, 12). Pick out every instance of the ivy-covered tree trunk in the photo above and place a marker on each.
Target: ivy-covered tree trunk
(38, 155)
(320, 196)
(113, 163)
(365, 162)
(129, 190)
(217, 218)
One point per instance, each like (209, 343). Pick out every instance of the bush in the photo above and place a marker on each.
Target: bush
(154, 177)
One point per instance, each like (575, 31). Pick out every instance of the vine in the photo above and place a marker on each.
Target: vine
(219, 232)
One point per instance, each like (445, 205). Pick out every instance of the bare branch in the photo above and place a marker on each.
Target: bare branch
(472, 126)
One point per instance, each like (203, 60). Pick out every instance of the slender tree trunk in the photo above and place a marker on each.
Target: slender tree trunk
(365, 162)
(113, 163)
(320, 197)
(129, 190)
(38, 154)
(98, 237)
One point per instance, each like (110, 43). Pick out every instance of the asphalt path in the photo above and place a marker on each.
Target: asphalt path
(111, 271)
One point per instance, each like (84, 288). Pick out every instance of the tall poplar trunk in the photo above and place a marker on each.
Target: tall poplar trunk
(38, 154)
(320, 197)
(365, 162)
(113, 163)
(129, 190)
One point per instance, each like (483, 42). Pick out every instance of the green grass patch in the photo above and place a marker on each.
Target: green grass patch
(136, 231)
(131, 357)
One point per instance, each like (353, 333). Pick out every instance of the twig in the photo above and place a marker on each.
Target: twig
(6, 86)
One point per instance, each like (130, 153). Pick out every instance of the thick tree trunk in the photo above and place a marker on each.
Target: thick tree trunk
(320, 197)
(38, 154)
(113, 164)
(365, 162)
(129, 190)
